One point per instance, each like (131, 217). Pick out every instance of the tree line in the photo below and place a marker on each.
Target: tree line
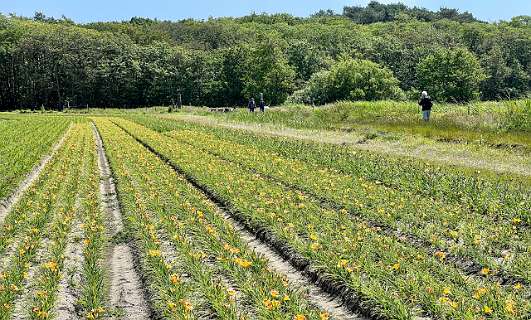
(376, 52)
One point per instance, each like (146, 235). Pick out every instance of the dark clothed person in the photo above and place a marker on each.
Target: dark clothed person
(251, 105)
(426, 103)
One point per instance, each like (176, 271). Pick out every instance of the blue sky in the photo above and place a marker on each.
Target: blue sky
(105, 10)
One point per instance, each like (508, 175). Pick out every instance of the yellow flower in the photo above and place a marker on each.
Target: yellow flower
(315, 246)
(518, 286)
(440, 255)
(171, 305)
(395, 266)
(479, 293)
(487, 310)
(324, 316)
(154, 253)
(510, 306)
(286, 298)
(299, 317)
(342, 263)
(313, 237)
(41, 314)
(267, 304)
(231, 249)
(274, 293)
(443, 300)
(517, 220)
(485, 271)
(51, 265)
(242, 262)
(446, 291)
(186, 304)
(210, 230)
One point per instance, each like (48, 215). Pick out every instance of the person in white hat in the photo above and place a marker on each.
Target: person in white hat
(426, 103)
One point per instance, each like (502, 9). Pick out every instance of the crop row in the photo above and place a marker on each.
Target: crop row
(394, 279)
(195, 259)
(483, 192)
(36, 233)
(494, 241)
(24, 143)
(502, 245)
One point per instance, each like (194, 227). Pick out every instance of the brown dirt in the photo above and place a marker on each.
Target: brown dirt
(21, 311)
(126, 292)
(70, 285)
(315, 295)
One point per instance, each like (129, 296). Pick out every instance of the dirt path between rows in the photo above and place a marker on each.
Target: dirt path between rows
(315, 295)
(69, 289)
(7, 204)
(126, 291)
(484, 158)
(338, 306)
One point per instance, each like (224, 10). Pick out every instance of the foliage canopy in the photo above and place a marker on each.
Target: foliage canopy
(223, 62)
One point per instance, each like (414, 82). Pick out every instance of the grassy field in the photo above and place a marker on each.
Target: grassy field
(494, 123)
(297, 213)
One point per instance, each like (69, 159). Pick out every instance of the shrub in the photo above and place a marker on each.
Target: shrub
(451, 75)
(351, 79)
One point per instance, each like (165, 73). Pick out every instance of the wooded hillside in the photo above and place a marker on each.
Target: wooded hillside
(224, 61)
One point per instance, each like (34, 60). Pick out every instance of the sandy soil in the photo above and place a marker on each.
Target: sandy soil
(126, 291)
(315, 295)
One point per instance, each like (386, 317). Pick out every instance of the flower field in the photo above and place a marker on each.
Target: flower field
(21, 154)
(145, 217)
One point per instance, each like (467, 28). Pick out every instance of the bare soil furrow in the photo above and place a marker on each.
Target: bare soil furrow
(7, 204)
(21, 304)
(342, 302)
(466, 265)
(70, 285)
(11, 250)
(315, 295)
(107, 187)
(126, 290)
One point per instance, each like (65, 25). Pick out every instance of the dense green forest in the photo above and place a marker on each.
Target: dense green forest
(365, 53)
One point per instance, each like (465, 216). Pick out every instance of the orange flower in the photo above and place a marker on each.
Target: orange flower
(175, 279)
(440, 255)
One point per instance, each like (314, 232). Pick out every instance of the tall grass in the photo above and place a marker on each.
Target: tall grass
(506, 123)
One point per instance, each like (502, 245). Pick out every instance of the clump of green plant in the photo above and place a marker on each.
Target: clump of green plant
(351, 79)
(517, 116)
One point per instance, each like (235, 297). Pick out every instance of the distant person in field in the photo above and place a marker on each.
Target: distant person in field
(251, 105)
(262, 105)
(426, 103)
